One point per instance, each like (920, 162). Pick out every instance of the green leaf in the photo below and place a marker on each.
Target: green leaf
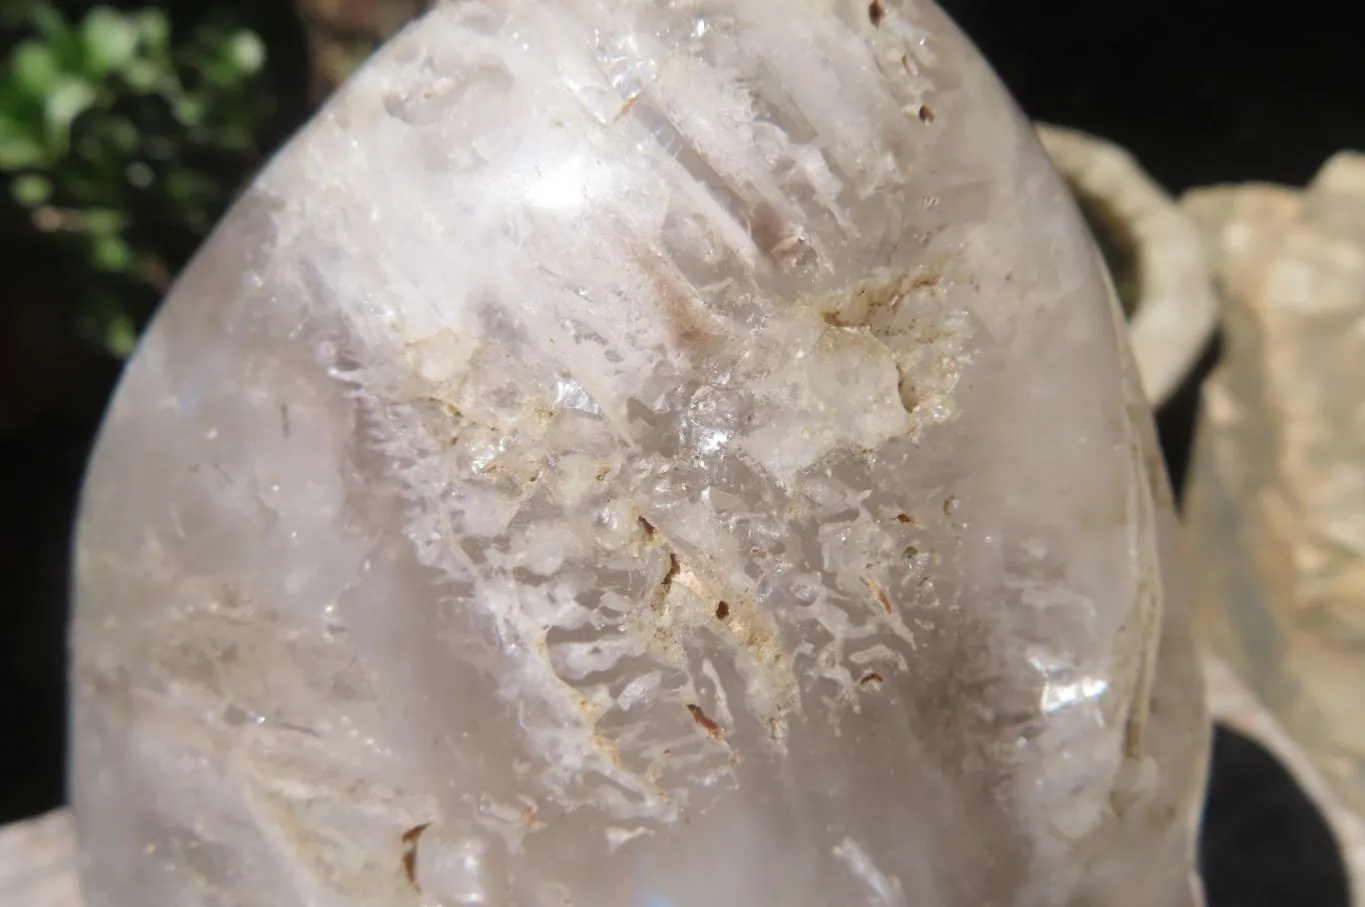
(233, 137)
(36, 68)
(122, 133)
(114, 330)
(47, 21)
(139, 175)
(110, 40)
(189, 110)
(20, 147)
(143, 76)
(31, 189)
(246, 52)
(187, 189)
(120, 337)
(71, 97)
(111, 253)
(153, 29)
(103, 222)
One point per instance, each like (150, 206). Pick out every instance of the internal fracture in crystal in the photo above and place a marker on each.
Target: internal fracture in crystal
(633, 454)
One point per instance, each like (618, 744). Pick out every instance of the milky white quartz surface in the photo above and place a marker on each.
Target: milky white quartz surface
(656, 453)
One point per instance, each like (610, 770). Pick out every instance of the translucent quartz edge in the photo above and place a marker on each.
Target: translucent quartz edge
(38, 856)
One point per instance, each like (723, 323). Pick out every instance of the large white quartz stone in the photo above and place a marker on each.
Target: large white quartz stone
(639, 454)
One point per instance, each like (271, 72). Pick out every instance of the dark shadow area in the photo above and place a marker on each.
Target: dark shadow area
(36, 505)
(53, 390)
(1201, 91)
(1264, 843)
(1176, 421)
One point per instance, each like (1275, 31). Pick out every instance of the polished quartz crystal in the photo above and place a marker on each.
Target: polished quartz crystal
(660, 453)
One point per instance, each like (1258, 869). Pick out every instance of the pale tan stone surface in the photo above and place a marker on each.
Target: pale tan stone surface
(38, 863)
(1276, 512)
(1233, 704)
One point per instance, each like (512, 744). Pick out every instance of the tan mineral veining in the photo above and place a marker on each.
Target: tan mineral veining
(905, 310)
(638, 276)
(684, 604)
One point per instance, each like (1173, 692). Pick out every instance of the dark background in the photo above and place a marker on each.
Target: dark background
(1201, 91)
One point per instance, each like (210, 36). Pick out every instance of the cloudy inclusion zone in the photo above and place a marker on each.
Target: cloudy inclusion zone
(680, 438)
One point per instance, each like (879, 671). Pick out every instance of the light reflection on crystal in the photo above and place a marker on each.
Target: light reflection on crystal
(572, 395)
(886, 889)
(1063, 688)
(461, 871)
(710, 440)
(559, 186)
(1058, 696)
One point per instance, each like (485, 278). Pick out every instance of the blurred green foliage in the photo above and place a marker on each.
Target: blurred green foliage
(117, 133)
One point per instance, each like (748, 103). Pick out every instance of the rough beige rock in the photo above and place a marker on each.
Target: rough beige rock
(1233, 704)
(1277, 489)
(38, 863)
(669, 454)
